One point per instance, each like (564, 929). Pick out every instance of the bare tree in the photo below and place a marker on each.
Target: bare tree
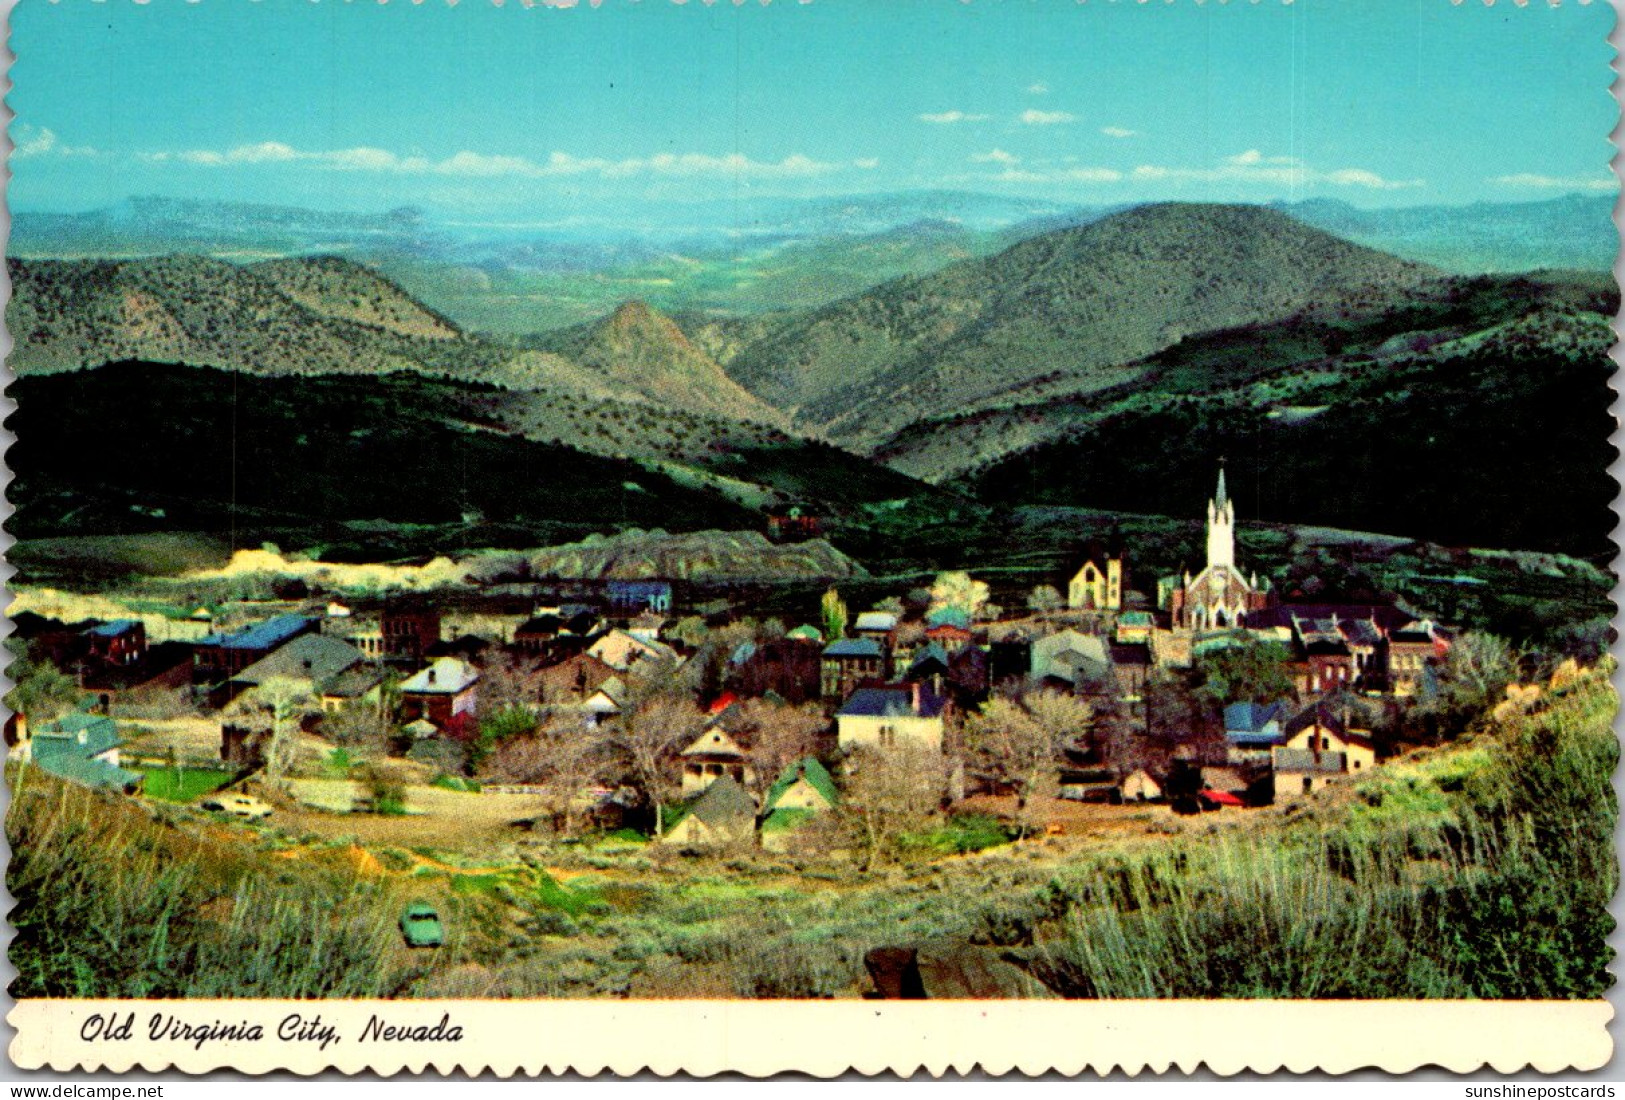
(890, 791)
(277, 706)
(778, 736)
(647, 735)
(562, 758)
(1019, 744)
(508, 683)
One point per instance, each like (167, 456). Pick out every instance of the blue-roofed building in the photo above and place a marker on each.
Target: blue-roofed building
(850, 662)
(1253, 729)
(219, 657)
(949, 616)
(120, 642)
(634, 596)
(886, 715)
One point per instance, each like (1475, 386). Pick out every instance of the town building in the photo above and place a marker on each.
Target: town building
(217, 657)
(1220, 597)
(82, 749)
(120, 642)
(1099, 584)
(850, 662)
(445, 693)
(724, 815)
(632, 596)
(886, 715)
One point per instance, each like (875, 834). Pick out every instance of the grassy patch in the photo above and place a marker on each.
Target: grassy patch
(961, 833)
(189, 785)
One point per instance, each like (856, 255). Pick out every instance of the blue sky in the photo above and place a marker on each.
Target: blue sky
(359, 106)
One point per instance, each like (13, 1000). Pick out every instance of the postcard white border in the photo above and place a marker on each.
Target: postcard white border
(828, 1038)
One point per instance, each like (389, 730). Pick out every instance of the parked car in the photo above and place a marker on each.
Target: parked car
(420, 924)
(237, 805)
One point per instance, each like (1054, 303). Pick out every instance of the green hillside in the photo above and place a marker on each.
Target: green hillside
(1497, 438)
(1083, 301)
(391, 464)
(220, 452)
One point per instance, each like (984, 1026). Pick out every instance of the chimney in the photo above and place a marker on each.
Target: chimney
(431, 676)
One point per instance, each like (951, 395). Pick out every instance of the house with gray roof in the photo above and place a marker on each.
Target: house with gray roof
(724, 814)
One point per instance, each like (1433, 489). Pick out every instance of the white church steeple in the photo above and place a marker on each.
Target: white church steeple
(1221, 528)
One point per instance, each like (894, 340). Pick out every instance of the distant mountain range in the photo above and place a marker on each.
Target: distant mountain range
(1020, 376)
(528, 271)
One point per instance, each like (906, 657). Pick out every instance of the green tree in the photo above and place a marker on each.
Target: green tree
(959, 591)
(834, 614)
(1045, 599)
(691, 631)
(1252, 672)
(1472, 678)
(43, 692)
(503, 725)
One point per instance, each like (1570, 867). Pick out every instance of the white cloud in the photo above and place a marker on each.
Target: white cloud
(1040, 88)
(1531, 180)
(866, 163)
(472, 165)
(1058, 175)
(1118, 132)
(41, 142)
(1253, 156)
(948, 118)
(995, 156)
(1046, 118)
(1253, 167)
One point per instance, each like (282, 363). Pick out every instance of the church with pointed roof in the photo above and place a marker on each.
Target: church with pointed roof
(1221, 596)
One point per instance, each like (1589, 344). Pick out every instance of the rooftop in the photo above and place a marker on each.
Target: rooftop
(267, 635)
(447, 676)
(854, 647)
(893, 702)
(114, 628)
(817, 777)
(314, 657)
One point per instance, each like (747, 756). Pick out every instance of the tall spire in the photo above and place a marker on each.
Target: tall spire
(1221, 528)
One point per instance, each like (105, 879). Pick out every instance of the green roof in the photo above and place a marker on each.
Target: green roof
(1135, 618)
(816, 774)
(76, 734)
(90, 773)
(782, 821)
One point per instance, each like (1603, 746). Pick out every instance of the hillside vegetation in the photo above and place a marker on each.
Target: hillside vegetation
(1084, 301)
(639, 351)
(394, 465)
(1480, 870)
(1493, 437)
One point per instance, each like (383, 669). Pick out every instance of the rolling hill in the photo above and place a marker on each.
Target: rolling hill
(1497, 437)
(1264, 365)
(412, 460)
(1083, 302)
(316, 316)
(327, 315)
(640, 351)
